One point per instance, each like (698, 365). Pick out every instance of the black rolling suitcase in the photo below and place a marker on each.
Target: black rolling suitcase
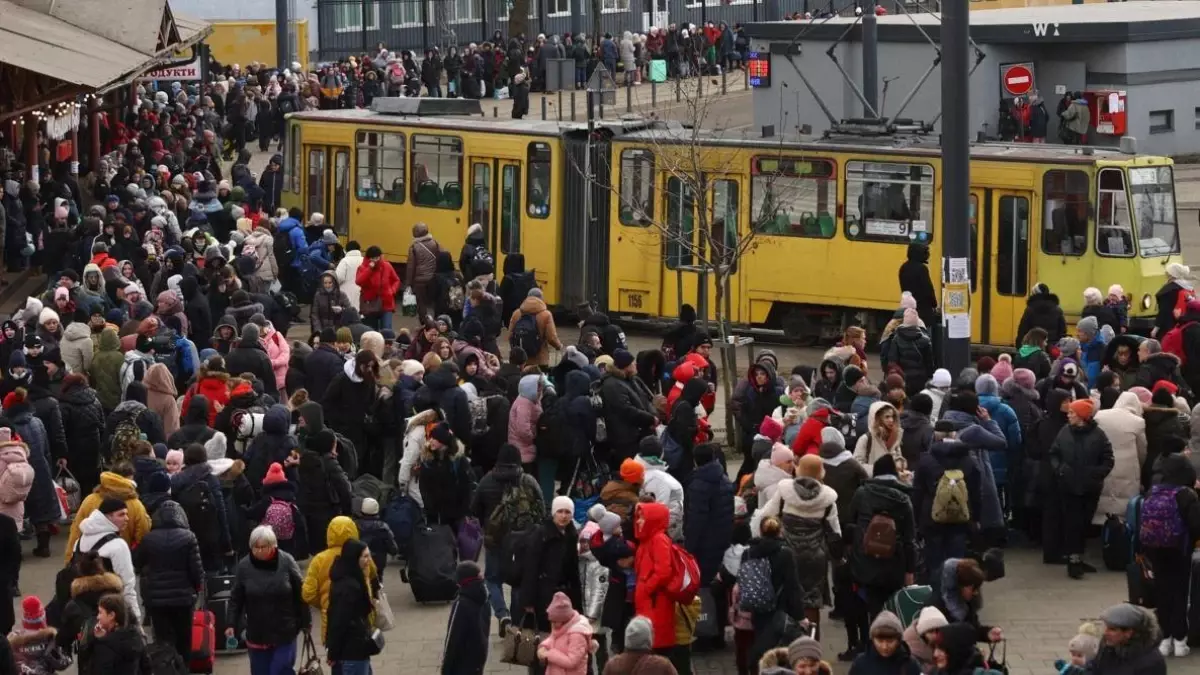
(432, 558)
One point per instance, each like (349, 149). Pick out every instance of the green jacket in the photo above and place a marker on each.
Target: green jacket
(105, 373)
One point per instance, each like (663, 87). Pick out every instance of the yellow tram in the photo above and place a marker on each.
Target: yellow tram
(601, 218)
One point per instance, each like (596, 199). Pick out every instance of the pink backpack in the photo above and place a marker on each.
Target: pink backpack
(281, 518)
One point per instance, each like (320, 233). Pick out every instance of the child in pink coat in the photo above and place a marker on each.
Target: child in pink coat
(565, 651)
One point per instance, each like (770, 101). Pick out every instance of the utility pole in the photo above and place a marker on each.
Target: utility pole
(283, 49)
(870, 57)
(956, 183)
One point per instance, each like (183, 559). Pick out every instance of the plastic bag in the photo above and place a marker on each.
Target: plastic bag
(408, 303)
(501, 93)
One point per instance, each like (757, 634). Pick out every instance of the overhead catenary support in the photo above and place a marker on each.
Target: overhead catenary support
(956, 170)
(283, 52)
(870, 57)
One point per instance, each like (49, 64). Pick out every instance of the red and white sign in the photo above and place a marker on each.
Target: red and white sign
(188, 72)
(1017, 79)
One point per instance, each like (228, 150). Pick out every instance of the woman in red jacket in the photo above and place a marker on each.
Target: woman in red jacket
(653, 564)
(379, 283)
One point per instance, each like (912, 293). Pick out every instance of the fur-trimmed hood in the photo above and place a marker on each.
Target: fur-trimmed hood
(20, 637)
(104, 583)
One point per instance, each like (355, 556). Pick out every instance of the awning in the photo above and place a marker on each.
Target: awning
(191, 29)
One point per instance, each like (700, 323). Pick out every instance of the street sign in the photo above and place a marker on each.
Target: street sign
(1017, 79)
(603, 85)
(185, 72)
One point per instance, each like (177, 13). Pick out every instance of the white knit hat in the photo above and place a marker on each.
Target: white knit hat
(562, 503)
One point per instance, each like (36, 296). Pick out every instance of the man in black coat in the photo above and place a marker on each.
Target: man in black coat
(628, 414)
(322, 365)
(945, 540)
(249, 356)
(1043, 311)
(1080, 458)
(168, 562)
(197, 310)
(708, 521)
(914, 279)
(350, 397)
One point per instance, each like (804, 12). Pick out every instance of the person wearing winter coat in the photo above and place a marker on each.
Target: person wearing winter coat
(441, 386)
(923, 634)
(116, 645)
(249, 356)
(322, 365)
(535, 306)
(988, 392)
(660, 485)
(639, 658)
(1130, 645)
(378, 285)
(317, 589)
(274, 445)
(912, 350)
(375, 534)
(346, 273)
(568, 647)
(628, 413)
(684, 428)
(105, 370)
(552, 564)
(267, 604)
(958, 597)
(111, 518)
(916, 428)
(328, 303)
(1081, 457)
(772, 470)
(754, 400)
(882, 437)
(324, 488)
(83, 425)
(161, 397)
(653, 568)
(465, 650)
(200, 474)
(77, 348)
(523, 419)
(771, 546)
(41, 504)
(708, 513)
(1172, 564)
(279, 351)
(983, 436)
(1042, 310)
(886, 653)
(1126, 432)
(445, 478)
(350, 397)
(351, 607)
(118, 487)
(168, 563)
(879, 573)
(33, 643)
(945, 540)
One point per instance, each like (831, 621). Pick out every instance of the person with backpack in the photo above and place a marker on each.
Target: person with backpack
(474, 251)
(946, 496)
(532, 329)
(550, 564)
(16, 477)
(168, 564)
(883, 557)
(266, 604)
(507, 502)
(515, 284)
(659, 485)
(117, 484)
(324, 489)
(277, 509)
(655, 568)
(100, 535)
(768, 587)
(1080, 458)
(1168, 528)
(375, 533)
(198, 491)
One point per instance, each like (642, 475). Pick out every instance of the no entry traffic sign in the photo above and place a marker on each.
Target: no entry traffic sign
(1017, 79)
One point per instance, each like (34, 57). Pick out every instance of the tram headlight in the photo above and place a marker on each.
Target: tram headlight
(1146, 301)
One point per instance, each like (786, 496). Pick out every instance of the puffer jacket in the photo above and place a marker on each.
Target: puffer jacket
(214, 387)
(916, 436)
(267, 600)
(274, 444)
(627, 414)
(446, 482)
(1080, 459)
(884, 495)
(708, 517)
(1126, 432)
(83, 424)
(117, 487)
(323, 314)
(767, 478)
(105, 373)
(653, 567)
(911, 349)
(12, 502)
(944, 456)
(168, 560)
(812, 529)
(317, 584)
(77, 348)
(264, 248)
(569, 646)
(523, 418)
(1006, 418)
(41, 506)
(280, 353)
(1043, 311)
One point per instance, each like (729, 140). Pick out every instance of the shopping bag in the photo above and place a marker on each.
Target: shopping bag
(707, 626)
(69, 492)
(309, 659)
(519, 645)
(408, 303)
(385, 620)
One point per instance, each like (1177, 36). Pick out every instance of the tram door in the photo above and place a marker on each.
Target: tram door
(688, 251)
(999, 220)
(327, 185)
(496, 205)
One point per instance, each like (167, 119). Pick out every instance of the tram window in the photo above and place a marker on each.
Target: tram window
(888, 202)
(316, 181)
(292, 170)
(681, 223)
(973, 251)
(1012, 263)
(1114, 231)
(538, 180)
(437, 163)
(637, 187)
(724, 222)
(379, 168)
(510, 209)
(481, 195)
(1064, 224)
(793, 197)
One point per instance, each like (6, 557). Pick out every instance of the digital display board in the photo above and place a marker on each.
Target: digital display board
(758, 67)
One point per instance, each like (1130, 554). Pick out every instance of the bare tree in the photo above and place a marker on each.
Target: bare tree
(696, 225)
(446, 37)
(518, 19)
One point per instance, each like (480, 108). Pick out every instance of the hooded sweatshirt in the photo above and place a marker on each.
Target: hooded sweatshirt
(92, 529)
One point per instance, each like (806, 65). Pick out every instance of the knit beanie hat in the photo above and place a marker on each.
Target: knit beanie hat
(1025, 378)
(781, 454)
(442, 434)
(1087, 642)
(632, 471)
(369, 507)
(467, 570)
(811, 466)
(560, 609)
(562, 503)
(804, 648)
(886, 625)
(274, 475)
(158, 483)
(33, 614)
(771, 428)
(609, 523)
(111, 505)
(931, 618)
(639, 634)
(1084, 408)
(1003, 369)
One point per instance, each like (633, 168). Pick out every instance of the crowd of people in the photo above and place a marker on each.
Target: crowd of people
(153, 398)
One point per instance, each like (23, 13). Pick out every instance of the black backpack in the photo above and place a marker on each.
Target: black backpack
(199, 504)
(67, 575)
(525, 335)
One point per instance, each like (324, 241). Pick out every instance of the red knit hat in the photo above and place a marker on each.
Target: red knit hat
(34, 615)
(274, 475)
(771, 428)
(14, 397)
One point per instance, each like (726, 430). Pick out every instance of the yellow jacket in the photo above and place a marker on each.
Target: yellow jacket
(117, 487)
(316, 582)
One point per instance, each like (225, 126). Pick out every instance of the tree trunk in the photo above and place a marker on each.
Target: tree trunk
(728, 361)
(596, 32)
(445, 33)
(518, 19)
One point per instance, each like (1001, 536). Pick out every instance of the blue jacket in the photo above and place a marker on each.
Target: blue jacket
(295, 233)
(1004, 417)
(862, 408)
(708, 517)
(318, 256)
(1091, 357)
(983, 438)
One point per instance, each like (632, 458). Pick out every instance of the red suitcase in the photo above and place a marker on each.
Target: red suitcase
(204, 642)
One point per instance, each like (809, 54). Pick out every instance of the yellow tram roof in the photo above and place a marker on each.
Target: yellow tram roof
(640, 130)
